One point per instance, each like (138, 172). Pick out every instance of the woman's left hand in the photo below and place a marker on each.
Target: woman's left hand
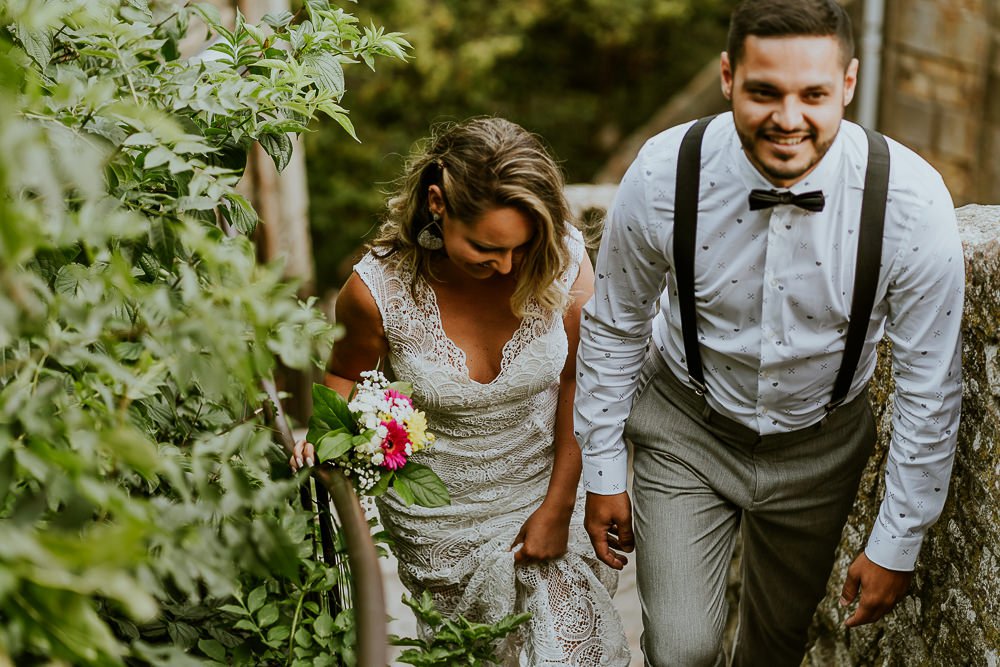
(543, 536)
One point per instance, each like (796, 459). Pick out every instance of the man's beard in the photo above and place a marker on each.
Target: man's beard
(776, 172)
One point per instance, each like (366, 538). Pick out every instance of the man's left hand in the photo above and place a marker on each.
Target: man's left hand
(881, 589)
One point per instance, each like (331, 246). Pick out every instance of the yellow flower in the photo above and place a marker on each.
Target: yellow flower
(416, 426)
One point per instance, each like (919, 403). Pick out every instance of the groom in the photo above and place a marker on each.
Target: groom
(749, 266)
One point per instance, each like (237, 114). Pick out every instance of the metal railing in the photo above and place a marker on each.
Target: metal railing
(367, 595)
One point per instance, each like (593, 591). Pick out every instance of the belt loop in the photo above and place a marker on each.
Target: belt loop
(706, 412)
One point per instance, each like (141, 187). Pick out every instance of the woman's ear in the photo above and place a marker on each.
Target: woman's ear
(435, 200)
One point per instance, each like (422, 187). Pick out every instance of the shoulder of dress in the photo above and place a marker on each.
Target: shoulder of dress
(384, 261)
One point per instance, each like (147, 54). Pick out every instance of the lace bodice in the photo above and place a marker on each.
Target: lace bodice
(494, 452)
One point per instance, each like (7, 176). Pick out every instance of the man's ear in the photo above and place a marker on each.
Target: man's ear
(726, 76)
(850, 81)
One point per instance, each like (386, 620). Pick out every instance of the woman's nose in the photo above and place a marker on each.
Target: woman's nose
(505, 263)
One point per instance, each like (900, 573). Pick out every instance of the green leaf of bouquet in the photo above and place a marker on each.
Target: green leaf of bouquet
(427, 488)
(333, 445)
(330, 413)
(402, 487)
(402, 387)
(382, 485)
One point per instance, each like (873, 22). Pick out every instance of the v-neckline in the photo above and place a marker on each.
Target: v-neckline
(462, 355)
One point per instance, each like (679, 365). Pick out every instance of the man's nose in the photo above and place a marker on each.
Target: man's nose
(788, 115)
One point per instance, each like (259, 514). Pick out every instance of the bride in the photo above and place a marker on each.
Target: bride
(472, 291)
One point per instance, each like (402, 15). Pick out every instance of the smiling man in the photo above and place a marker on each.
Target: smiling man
(750, 264)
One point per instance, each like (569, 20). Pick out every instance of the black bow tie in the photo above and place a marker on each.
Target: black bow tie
(811, 201)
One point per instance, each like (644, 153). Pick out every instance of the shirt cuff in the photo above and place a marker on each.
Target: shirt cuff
(893, 552)
(606, 476)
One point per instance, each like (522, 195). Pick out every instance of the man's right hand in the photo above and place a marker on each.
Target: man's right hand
(608, 520)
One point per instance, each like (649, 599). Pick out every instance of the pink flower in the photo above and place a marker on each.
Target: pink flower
(394, 395)
(394, 445)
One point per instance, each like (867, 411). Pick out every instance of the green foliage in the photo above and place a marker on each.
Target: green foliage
(583, 74)
(145, 512)
(454, 642)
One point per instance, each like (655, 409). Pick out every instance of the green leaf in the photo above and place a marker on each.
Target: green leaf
(279, 147)
(278, 633)
(303, 638)
(268, 615)
(323, 626)
(182, 634)
(256, 598)
(326, 70)
(278, 20)
(330, 413)
(362, 438)
(209, 13)
(246, 624)
(37, 44)
(402, 488)
(427, 488)
(334, 445)
(240, 213)
(7, 471)
(382, 485)
(344, 121)
(212, 649)
(233, 609)
(402, 387)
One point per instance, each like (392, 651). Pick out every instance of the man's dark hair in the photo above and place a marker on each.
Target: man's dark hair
(789, 18)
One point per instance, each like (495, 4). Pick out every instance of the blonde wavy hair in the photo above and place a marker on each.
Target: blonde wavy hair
(482, 164)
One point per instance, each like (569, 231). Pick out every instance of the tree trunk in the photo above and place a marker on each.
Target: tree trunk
(281, 200)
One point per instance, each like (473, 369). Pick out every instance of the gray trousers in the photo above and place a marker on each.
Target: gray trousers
(698, 478)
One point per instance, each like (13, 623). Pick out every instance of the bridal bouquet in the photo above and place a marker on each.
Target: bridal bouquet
(371, 437)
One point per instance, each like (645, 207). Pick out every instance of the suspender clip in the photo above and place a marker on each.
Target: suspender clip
(699, 387)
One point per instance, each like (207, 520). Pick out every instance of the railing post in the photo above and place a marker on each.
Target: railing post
(366, 576)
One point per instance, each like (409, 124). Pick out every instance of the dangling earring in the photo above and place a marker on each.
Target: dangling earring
(428, 238)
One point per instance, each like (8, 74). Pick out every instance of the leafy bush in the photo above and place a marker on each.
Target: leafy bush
(145, 512)
(454, 642)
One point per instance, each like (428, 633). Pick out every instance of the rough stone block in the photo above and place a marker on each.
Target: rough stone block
(929, 78)
(988, 164)
(957, 175)
(952, 615)
(945, 28)
(910, 121)
(958, 133)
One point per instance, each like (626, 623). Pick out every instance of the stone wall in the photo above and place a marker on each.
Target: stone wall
(952, 615)
(941, 89)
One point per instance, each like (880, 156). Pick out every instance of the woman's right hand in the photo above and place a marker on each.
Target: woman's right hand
(304, 455)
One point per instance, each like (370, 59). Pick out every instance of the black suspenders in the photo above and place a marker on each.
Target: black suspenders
(866, 267)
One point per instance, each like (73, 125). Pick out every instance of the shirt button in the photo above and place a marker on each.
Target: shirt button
(774, 283)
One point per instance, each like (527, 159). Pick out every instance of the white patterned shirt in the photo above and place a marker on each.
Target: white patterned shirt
(773, 291)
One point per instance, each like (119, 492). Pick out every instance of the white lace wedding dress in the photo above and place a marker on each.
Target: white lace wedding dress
(494, 452)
